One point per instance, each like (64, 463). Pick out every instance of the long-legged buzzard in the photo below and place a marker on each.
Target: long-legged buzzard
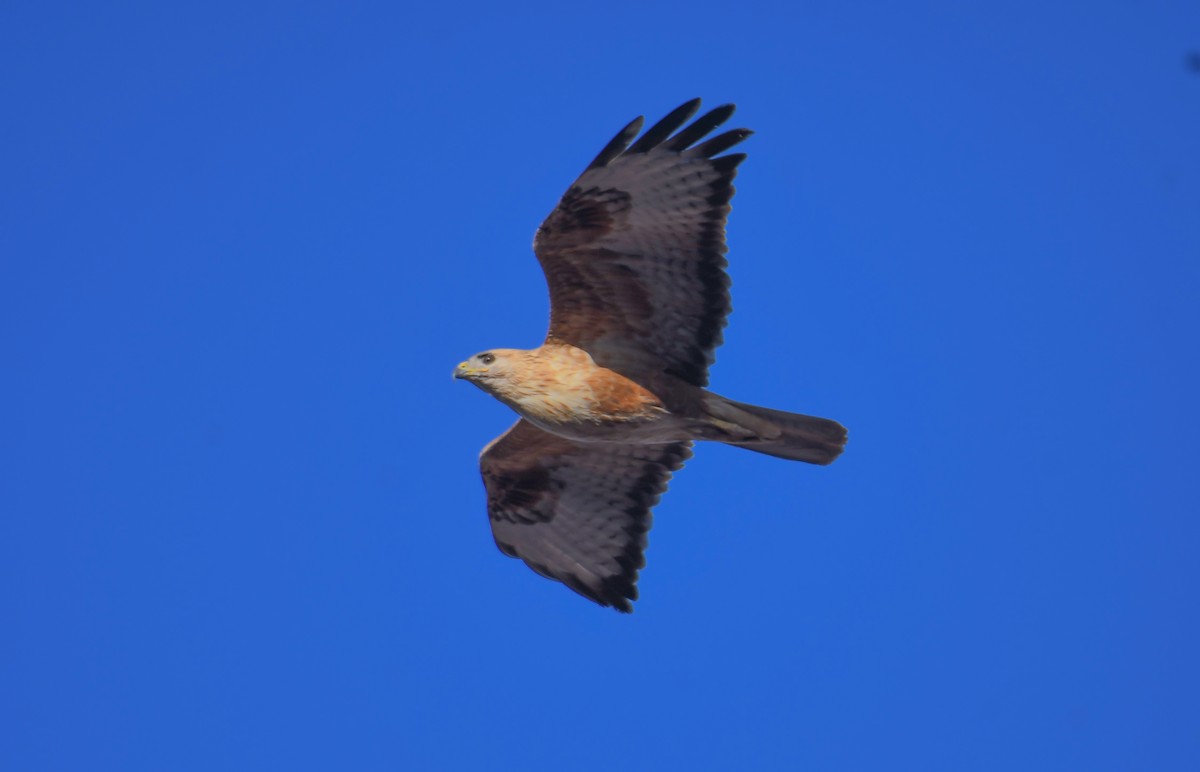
(610, 404)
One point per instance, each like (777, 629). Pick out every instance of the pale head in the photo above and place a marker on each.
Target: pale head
(487, 367)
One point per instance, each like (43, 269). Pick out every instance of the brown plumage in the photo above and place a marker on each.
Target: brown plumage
(634, 256)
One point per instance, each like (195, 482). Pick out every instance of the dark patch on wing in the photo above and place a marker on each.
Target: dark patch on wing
(520, 496)
(583, 216)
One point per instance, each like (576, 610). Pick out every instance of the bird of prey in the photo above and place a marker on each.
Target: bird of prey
(609, 405)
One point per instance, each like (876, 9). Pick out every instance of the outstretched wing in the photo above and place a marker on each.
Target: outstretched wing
(577, 512)
(634, 253)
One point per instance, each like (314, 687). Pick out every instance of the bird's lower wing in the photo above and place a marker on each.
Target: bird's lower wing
(577, 512)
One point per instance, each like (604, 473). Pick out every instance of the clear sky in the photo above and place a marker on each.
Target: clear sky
(242, 247)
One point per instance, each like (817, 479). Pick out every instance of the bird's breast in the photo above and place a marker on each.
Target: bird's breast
(590, 403)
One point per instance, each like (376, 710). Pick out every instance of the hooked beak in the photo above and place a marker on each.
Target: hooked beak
(465, 371)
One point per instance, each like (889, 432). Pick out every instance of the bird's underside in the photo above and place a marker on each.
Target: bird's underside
(634, 256)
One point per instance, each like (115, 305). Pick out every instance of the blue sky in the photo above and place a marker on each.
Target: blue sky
(242, 247)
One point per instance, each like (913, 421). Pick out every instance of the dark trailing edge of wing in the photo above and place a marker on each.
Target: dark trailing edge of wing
(620, 590)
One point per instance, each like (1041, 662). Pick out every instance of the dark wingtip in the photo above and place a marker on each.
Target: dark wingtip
(719, 143)
(659, 132)
(622, 599)
(726, 164)
(619, 143)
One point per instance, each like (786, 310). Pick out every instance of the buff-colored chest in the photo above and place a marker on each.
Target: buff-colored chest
(562, 386)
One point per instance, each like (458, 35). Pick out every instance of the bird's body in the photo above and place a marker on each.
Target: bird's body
(612, 401)
(560, 389)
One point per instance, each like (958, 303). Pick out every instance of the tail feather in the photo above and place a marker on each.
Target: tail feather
(777, 433)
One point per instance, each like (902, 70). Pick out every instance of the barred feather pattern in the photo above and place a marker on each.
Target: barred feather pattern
(577, 512)
(634, 253)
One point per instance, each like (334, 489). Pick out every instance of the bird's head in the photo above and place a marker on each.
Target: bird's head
(487, 369)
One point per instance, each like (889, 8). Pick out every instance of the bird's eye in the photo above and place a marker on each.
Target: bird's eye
(487, 359)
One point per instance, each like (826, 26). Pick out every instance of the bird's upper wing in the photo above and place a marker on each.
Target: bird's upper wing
(634, 253)
(577, 512)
